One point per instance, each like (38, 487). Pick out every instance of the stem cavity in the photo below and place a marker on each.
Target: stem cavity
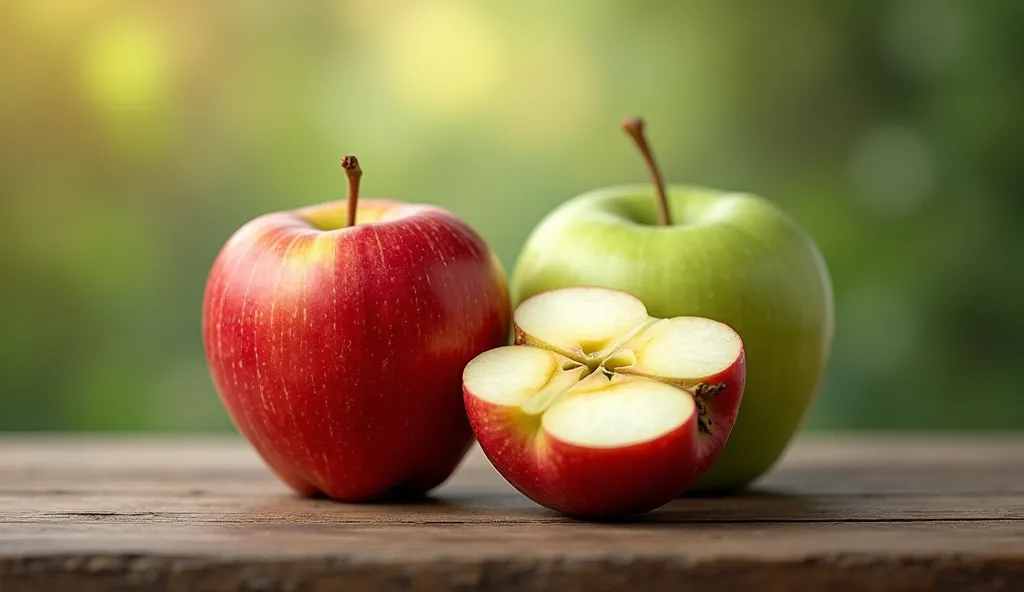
(355, 174)
(634, 126)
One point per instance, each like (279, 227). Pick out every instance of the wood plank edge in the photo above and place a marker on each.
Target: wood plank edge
(75, 573)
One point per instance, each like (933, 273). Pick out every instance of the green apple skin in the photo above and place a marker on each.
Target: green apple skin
(732, 257)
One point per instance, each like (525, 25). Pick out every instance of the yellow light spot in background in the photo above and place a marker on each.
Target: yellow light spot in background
(57, 17)
(552, 92)
(126, 67)
(443, 60)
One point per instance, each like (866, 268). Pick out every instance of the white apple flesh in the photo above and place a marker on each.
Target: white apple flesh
(602, 410)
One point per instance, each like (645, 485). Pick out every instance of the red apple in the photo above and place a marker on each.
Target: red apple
(602, 410)
(337, 336)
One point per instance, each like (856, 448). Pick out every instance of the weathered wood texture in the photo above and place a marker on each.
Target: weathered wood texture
(840, 513)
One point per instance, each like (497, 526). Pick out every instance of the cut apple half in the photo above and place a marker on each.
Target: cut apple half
(597, 392)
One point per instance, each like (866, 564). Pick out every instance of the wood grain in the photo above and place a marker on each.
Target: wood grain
(929, 512)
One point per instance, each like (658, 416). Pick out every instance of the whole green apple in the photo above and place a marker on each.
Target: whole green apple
(695, 251)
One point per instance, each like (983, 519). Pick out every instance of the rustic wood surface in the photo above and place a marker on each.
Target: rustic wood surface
(839, 513)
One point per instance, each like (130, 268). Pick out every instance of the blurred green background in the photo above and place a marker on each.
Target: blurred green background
(137, 136)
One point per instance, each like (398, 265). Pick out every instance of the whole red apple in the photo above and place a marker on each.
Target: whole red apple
(337, 335)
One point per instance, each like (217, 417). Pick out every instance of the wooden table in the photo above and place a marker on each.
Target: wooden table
(860, 513)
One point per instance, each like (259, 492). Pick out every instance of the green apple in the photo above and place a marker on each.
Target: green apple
(696, 251)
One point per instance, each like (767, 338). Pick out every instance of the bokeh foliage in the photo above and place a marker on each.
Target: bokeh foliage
(137, 136)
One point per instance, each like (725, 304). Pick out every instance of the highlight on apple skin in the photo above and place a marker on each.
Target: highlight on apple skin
(600, 410)
(337, 334)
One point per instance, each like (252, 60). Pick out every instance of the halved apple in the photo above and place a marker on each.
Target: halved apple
(600, 409)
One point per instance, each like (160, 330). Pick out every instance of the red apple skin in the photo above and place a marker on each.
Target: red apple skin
(722, 410)
(591, 483)
(339, 354)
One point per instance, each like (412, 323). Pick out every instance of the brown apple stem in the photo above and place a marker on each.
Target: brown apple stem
(355, 174)
(634, 126)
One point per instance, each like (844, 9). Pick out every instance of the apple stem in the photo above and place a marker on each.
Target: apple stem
(634, 126)
(355, 174)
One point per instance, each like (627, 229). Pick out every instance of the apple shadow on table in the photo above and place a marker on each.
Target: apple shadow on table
(392, 497)
(755, 505)
(290, 510)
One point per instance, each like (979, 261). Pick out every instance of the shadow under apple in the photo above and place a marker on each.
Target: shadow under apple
(746, 506)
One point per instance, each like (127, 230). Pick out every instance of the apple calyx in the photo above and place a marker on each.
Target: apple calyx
(701, 393)
(355, 174)
(634, 127)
